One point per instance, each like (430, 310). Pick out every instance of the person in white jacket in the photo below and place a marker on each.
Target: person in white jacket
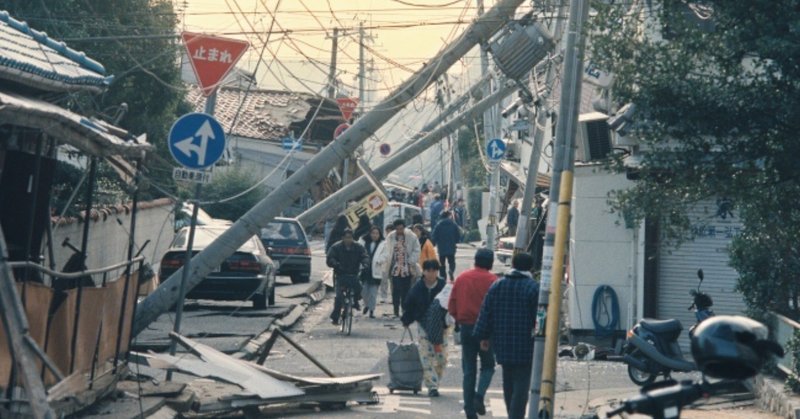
(399, 262)
(371, 278)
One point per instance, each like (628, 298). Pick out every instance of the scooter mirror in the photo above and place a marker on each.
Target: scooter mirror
(700, 274)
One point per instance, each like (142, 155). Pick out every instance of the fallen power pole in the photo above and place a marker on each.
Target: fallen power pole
(166, 295)
(362, 185)
(548, 313)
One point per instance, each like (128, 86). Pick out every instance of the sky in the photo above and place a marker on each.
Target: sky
(403, 34)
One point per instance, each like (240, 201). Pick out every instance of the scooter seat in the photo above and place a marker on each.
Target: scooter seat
(662, 326)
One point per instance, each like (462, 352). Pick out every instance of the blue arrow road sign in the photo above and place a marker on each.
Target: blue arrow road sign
(196, 140)
(291, 144)
(496, 149)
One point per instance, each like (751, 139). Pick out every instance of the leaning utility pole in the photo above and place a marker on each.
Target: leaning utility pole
(362, 186)
(548, 313)
(332, 70)
(165, 296)
(490, 132)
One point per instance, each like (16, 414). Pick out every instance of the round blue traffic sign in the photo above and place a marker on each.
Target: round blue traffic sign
(196, 140)
(495, 149)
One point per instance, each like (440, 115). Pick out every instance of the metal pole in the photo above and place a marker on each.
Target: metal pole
(489, 133)
(548, 314)
(16, 327)
(211, 103)
(129, 268)
(84, 244)
(362, 186)
(295, 186)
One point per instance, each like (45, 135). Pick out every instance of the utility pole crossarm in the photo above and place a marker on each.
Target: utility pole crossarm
(166, 295)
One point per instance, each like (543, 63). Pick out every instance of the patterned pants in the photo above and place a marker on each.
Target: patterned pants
(433, 362)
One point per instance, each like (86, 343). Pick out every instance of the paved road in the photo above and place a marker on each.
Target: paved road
(581, 388)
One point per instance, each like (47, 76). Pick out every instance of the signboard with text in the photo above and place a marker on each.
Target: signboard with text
(372, 205)
(212, 57)
(347, 105)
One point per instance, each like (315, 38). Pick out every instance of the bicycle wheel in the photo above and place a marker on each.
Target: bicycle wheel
(345, 312)
(349, 320)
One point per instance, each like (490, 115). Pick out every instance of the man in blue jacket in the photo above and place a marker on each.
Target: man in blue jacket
(506, 321)
(436, 208)
(445, 236)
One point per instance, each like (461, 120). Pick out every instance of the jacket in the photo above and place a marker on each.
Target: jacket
(467, 295)
(346, 261)
(445, 236)
(412, 250)
(418, 301)
(373, 270)
(507, 318)
(427, 252)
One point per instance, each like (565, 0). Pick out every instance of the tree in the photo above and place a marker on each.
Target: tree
(146, 72)
(716, 86)
(229, 183)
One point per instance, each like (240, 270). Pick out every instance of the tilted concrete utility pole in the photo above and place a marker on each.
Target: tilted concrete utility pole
(548, 314)
(490, 132)
(362, 186)
(250, 224)
(332, 69)
(537, 125)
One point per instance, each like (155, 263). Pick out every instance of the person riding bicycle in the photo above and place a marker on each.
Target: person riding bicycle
(346, 257)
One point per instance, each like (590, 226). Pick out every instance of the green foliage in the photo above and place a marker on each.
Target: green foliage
(226, 184)
(146, 72)
(474, 202)
(472, 170)
(792, 348)
(718, 106)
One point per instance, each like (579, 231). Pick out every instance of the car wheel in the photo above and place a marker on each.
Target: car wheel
(260, 301)
(298, 278)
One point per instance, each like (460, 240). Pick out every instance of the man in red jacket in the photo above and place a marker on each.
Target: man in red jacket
(464, 305)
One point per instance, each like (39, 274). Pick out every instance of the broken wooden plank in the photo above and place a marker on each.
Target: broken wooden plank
(126, 408)
(261, 384)
(164, 413)
(292, 317)
(148, 388)
(68, 387)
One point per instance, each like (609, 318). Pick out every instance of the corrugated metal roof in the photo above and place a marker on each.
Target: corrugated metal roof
(32, 58)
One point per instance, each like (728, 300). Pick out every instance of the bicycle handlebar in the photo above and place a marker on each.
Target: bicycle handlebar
(667, 402)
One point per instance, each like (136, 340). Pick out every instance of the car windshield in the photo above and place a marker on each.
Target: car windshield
(204, 235)
(281, 230)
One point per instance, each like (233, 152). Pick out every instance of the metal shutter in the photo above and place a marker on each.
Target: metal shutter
(677, 268)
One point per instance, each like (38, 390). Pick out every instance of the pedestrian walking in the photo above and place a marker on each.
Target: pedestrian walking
(465, 303)
(420, 307)
(363, 227)
(427, 251)
(505, 325)
(512, 219)
(372, 275)
(347, 257)
(400, 262)
(436, 208)
(380, 259)
(446, 236)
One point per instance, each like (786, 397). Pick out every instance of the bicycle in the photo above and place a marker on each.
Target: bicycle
(346, 317)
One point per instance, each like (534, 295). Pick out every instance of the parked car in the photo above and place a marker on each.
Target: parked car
(401, 210)
(505, 249)
(288, 245)
(249, 273)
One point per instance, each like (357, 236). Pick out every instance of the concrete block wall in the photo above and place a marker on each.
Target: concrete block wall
(108, 239)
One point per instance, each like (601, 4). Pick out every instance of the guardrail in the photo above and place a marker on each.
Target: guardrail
(783, 329)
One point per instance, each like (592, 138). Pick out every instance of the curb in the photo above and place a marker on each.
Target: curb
(773, 397)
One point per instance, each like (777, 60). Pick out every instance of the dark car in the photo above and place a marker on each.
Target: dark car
(249, 273)
(288, 245)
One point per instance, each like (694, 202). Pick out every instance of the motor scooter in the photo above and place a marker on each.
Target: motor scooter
(651, 347)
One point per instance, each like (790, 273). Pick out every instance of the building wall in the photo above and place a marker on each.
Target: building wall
(108, 240)
(602, 250)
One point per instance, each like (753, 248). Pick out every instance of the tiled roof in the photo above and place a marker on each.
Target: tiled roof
(265, 114)
(32, 58)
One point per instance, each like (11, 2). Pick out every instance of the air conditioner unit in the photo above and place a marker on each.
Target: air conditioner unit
(593, 139)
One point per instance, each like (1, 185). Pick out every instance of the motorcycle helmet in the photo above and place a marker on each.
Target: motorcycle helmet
(732, 347)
